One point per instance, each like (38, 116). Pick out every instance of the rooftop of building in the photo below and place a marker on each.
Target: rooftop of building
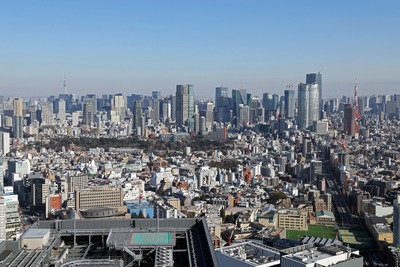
(324, 213)
(251, 253)
(309, 254)
(166, 242)
(377, 220)
(383, 229)
(36, 233)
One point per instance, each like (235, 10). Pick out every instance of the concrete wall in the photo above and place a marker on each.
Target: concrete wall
(10, 245)
(35, 242)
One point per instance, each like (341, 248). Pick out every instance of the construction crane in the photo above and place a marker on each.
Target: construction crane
(233, 230)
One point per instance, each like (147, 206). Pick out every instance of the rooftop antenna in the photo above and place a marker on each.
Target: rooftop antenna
(289, 85)
(65, 85)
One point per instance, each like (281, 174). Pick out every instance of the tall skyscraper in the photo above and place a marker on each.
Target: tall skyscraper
(302, 104)
(155, 112)
(270, 103)
(314, 107)
(185, 106)
(220, 94)
(4, 143)
(88, 114)
(256, 111)
(239, 97)
(70, 105)
(18, 119)
(266, 101)
(223, 104)
(18, 107)
(2, 118)
(275, 101)
(118, 105)
(308, 108)
(165, 109)
(18, 127)
(137, 115)
(156, 94)
(267, 105)
(60, 109)
(316, 78)
(47, 113)
(130, 100)
(350, 125)
(206, 111)
(172, 100)
(243, 117)
(289, 103)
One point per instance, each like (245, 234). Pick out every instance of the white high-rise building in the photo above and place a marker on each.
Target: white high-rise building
(316, 78)
(308, 107)
(118, 105)
(314, 109)
(4, 143)
(61, 110)
(47, 113)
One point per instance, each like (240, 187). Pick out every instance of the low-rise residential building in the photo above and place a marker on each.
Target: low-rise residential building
(325, 217)
(268, 218)
(167, 211)
(174, 202)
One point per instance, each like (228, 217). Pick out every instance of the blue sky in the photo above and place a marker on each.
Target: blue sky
(140, 46)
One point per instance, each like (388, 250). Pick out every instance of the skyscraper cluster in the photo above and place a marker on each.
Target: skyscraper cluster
(234, 107)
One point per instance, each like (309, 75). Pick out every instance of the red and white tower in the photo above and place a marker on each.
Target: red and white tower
(356, 113)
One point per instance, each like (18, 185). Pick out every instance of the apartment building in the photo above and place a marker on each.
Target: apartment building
(98, 197)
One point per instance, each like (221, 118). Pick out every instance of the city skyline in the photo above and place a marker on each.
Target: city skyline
(136, 48)
(198, 93)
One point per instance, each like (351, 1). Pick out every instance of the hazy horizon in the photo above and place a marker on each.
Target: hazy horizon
(137, 47)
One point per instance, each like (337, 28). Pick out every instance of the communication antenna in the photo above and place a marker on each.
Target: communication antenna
(65, 85)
